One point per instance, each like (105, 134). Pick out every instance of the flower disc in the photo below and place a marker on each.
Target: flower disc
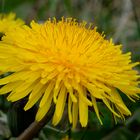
(66, 62)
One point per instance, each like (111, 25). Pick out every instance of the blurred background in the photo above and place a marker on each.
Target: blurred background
(120, 20)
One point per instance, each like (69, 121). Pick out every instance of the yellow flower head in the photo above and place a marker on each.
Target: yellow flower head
(8, 22)
(65, 62)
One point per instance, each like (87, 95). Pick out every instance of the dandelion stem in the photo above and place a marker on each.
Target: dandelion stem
(35, 127)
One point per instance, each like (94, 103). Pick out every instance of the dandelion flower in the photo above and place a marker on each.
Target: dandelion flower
(66, 62)
(8, 22)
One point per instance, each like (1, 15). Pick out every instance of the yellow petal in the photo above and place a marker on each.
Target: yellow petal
(81, 92)
(44, 109)
(60, 105)
(96, 109)
(118, 102)
(37, 87)
(106, 102)
(83, 112)
(47, 93)
(70, 90)
(34, 99)
(56, 92)
(19, 95)
(74, 114)
(14, 77)
(69, 109)
(9, 87)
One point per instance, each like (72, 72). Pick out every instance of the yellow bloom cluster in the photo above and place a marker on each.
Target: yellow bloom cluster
(9, 21)
(65, 62)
